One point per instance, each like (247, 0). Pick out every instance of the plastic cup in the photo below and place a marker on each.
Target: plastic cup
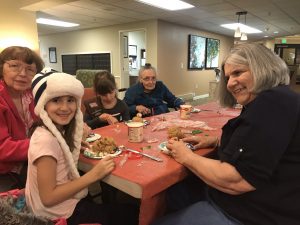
(185, 111)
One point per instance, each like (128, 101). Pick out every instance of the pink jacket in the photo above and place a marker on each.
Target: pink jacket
(13, 140)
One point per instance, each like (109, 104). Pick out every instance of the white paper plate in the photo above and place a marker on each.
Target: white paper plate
(146, 122)
(163, 147)
(194, 110)
(92, 155)
(93, 137)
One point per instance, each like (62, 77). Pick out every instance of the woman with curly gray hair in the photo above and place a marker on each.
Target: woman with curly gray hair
(267, 69)
(254, 177)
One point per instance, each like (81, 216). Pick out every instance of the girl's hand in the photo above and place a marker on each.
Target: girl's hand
(84, 145)
(103, 168)
(109, 118)
(86, 131)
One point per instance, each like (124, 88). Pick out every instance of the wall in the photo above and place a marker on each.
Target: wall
(172, 57)
(166, 46)
(104, 39)
(18, 27)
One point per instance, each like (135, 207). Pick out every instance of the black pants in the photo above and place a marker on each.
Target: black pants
(88, 211)
(11, 180)
(189, 191)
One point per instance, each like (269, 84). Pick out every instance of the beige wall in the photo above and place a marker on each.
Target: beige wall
(166, 46)
(105, 39)
(18, 27)
(172, 57)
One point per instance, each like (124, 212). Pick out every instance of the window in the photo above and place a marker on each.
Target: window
(71, 63)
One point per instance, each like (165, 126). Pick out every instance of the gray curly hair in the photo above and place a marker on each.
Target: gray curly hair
(267, 69)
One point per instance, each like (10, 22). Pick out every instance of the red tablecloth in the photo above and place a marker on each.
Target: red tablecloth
(151, 178)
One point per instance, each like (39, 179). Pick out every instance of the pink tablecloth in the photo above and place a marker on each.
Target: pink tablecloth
(155, 177)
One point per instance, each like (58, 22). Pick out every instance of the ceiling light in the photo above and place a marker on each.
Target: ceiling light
(243, 28)
(55, 22)
(237, 32)
(169, 5)
(244, 37)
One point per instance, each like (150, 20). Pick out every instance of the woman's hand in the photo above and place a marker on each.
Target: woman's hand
(142, 109)
(179, 151)
(202, 141)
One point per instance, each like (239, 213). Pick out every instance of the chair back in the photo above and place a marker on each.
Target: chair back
(88, 93)
(86, 77)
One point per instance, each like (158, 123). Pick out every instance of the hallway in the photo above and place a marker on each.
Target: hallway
(293, 85)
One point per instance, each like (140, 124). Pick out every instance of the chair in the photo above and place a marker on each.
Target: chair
(13, 206)
(86, 77)
(122, 89)
(14, 209)
(88, 94)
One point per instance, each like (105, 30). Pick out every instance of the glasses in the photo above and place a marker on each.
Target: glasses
(147, 79)
(17, 67)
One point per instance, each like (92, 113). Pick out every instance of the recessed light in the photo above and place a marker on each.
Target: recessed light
(169, 4)
(55, 22)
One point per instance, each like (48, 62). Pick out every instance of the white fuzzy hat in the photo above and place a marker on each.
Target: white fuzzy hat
(47, 85)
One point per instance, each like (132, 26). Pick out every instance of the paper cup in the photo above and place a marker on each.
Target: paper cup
(135, 132)
(185, 111)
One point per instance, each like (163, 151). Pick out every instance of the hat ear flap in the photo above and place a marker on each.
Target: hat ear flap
(77, 134)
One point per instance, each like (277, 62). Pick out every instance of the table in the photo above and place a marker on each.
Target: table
(146, 179)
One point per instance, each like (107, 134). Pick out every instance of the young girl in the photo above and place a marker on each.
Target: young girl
(54, 188)
(106, 108)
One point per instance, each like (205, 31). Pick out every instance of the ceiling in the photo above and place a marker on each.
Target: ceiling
(269, 16)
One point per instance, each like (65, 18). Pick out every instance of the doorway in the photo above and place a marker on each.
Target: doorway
(133, 55)
(290, 53)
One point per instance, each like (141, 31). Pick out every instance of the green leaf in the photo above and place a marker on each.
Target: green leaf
(197, 131)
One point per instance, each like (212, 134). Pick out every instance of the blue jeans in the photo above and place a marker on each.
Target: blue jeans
(200, 213)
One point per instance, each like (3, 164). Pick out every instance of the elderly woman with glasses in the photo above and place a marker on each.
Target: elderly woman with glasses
(18, 65)
(150, 96)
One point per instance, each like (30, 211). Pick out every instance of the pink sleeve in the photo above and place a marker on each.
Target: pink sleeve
(43, 143)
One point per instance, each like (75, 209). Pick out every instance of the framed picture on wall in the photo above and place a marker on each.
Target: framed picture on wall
(132, 49)
(52, 55)
(196, 52)
(212, 53)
